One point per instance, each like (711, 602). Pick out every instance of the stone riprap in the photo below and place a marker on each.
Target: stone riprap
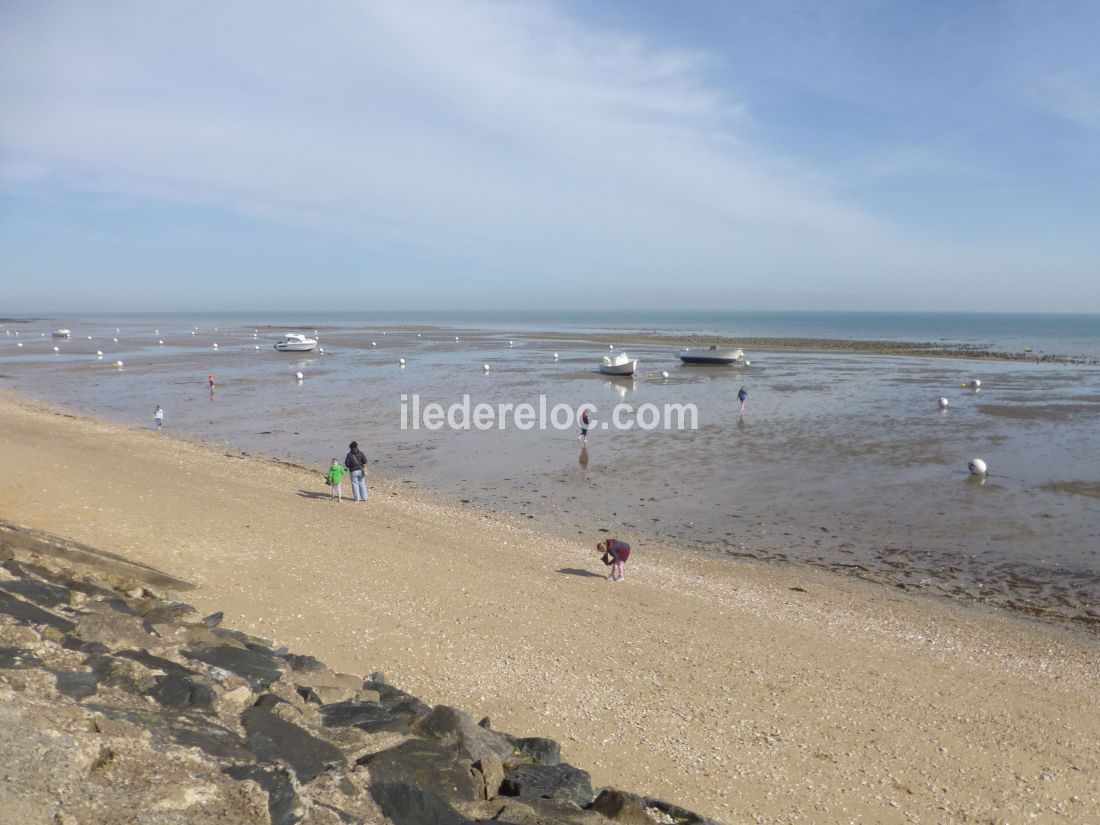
(120, 705)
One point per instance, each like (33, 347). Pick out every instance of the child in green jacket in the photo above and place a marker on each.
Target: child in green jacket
(335, 479)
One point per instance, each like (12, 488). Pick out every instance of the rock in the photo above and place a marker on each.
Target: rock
(27, 613)
(156, 662)
(177, 691)
(681, 816)
(426, 765)
(531, 812)
(492, 774)
(41, 593)
(213, 620)
(367, 716)
(235, 700)
(541, 751)
(121, 673)
(620, 807)
(559, 783)
(259, 669)
(407, 804)
(378, 678)
(485, 722)
(303, 664)
(284, 806)
(171, 613)
(400, 704)
(14, 658)
(455, 728)
(274, 740)
(77, 684)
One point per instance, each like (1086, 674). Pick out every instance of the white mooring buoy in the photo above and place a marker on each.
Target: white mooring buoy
(299, 376)
(944, 403)
(485, 367)
(977, 467)
(664, 373)
(555, 356)
(402, 362)
(975, 384)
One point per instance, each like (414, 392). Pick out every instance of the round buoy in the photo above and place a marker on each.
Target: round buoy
(510, 344)
(555, 356)
(402, 362)
(977, 467)
(383, 332)
(374, 343)
(418, 335)
(299, 376)
(664, 373)
(99, 352)
(485, 367)
(118, 364)
(257, 346)
(975, 384)
(944, 403)
(214, 346)
(321, 350)
(456, 337)
(161, 343)
(115, 340)
(89, 338)
(57, 349)
(192, 332)
(747, 363)
(19, 344)
(611, 346)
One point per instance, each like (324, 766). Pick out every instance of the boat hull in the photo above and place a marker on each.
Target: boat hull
(628, 368)
(296, 347)
(726, 356)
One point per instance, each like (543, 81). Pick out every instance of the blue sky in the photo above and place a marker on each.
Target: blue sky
(469, 154)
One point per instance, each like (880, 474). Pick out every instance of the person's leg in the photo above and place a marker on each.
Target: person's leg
(355, 484)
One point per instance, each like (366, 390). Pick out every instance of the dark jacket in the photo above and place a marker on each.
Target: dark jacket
(355, 460)
(618, 550)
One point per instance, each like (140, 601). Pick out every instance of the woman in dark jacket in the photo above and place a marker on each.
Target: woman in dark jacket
(615, 553)
(356, 463)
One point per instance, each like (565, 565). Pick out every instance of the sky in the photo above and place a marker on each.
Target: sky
(471, 154)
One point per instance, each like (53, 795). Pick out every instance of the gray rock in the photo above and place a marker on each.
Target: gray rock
(257, 668)
(41, 593)
(284, 806)
(156, 662)
(536, 812)
(559, 783)
(17, 657)
(214, 619)
(425, 764)
(407, 804)
(541, 751)
(274, 740)
(620, 807)
(492, 775)
(170, 613)
(77, 684)
(681, 816)
(303, 664)
(27, 613)
(377, 678)
(454, 728)
(400, 704)
(368, 716)
(176, 691)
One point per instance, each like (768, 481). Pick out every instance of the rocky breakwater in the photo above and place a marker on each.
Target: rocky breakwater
(120, 705)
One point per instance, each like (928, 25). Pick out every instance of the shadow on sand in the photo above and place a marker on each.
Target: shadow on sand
(573, 571)
(314, 494)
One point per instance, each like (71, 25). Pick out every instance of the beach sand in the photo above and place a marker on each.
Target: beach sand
(747, 692)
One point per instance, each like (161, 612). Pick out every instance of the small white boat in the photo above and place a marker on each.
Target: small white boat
(293, 342)
(713, 355)
(62, 333)
(621, 364)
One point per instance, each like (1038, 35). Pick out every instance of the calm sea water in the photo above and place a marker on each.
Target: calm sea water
(844, 461)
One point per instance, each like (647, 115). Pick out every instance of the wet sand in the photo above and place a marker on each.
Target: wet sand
(749, 692)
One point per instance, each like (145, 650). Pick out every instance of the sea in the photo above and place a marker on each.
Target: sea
(842, 460)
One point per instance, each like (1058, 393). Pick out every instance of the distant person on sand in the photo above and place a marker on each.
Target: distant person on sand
(614, 553)
(335, 480)
(742, 395)
(585, 421)
(356, 463)
(158, 417)
(211, 379)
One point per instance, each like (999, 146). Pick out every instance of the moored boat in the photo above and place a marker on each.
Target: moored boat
(621, 364)
(62, 333)
(293, 342)
(713, 355)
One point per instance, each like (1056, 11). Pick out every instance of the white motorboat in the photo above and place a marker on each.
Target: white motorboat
(62, 333)
(293, 342)
(713, 355)
(621, 364)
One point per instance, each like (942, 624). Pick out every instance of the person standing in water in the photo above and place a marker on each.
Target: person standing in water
(158, 417)
(211, 380)
(585, 421)
(742, 394)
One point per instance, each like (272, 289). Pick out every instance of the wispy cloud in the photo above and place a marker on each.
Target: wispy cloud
(482, 136)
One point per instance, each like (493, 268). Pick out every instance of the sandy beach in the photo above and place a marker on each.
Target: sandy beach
(748, 692)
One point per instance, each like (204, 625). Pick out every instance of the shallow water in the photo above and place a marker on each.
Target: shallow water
(839, 460)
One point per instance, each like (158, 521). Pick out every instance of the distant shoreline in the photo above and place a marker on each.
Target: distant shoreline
(926, 349)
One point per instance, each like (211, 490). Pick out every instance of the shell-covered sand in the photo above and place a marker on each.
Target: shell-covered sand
(749, 693)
